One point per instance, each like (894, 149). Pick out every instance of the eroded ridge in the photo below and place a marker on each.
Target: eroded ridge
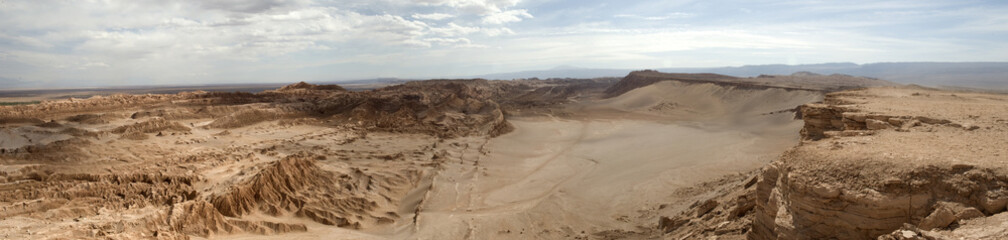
(302, 158)
(875, 160)
(296, 185)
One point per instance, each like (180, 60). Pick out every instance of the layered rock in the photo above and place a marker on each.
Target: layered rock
(874, 160)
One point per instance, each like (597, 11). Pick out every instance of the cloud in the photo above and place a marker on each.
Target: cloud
(498, 31)
(248, 6)
(452, 29)
(250, 29)
(478, 7)
(506, 16)
(433, 16)
(675, 15)
(25, 41)
(115, 41)
(492, 11)
(451, 41)
(119, 42)
(250, 37)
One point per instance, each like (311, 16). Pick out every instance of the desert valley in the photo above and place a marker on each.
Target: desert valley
(504, 119)
(650, 156)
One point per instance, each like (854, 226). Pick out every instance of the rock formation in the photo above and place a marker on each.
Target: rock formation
(877, 159)
(209, 164)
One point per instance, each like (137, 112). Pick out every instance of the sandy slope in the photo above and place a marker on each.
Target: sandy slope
(556, 178)
(708, 102)
(560, 178)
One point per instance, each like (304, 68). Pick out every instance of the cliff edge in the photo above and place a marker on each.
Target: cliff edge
(876, 160)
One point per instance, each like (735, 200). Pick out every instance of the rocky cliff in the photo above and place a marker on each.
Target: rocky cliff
(874, 160)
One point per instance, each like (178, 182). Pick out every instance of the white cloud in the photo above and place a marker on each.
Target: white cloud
(448, 40)
(675, 15)
(248, 6)
(491, 11)
(478, 7)
(245, 30)
(493, 32)
(453, 29)
(118, 41)
(433, 16)
(114, 40)
(506, 16)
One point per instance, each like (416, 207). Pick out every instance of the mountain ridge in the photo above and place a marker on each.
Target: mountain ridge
(958, 74)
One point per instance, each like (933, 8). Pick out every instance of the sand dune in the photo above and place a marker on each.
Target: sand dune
(556, 178)
(708, 101)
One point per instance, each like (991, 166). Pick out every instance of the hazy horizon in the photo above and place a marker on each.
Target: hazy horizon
(125, 43)
(936, 74)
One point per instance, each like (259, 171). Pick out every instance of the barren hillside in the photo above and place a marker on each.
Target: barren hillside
(887, 163)
(652, 155)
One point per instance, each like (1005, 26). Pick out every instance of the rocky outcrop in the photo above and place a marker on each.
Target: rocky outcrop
(246, 117)
(826, 120)
(200, 218)
(139, 131)
(296, 185)
(308, 86)
(445, 108)
(866, 169)
(727, 214)
(89, 118)
(992, 227)
(152, 126)
(791, 207)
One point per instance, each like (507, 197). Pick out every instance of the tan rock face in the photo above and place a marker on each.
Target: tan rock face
(874, 160)
(873, 124)
(706, 207)
(941, 217)
(671, 224)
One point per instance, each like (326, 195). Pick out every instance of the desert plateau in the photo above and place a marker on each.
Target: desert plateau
(504, 119)
(649, 156)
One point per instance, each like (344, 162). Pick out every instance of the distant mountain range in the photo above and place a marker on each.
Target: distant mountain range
(986, 75)
(982, 75)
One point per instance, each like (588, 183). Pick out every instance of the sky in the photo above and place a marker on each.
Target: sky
(75, 43)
